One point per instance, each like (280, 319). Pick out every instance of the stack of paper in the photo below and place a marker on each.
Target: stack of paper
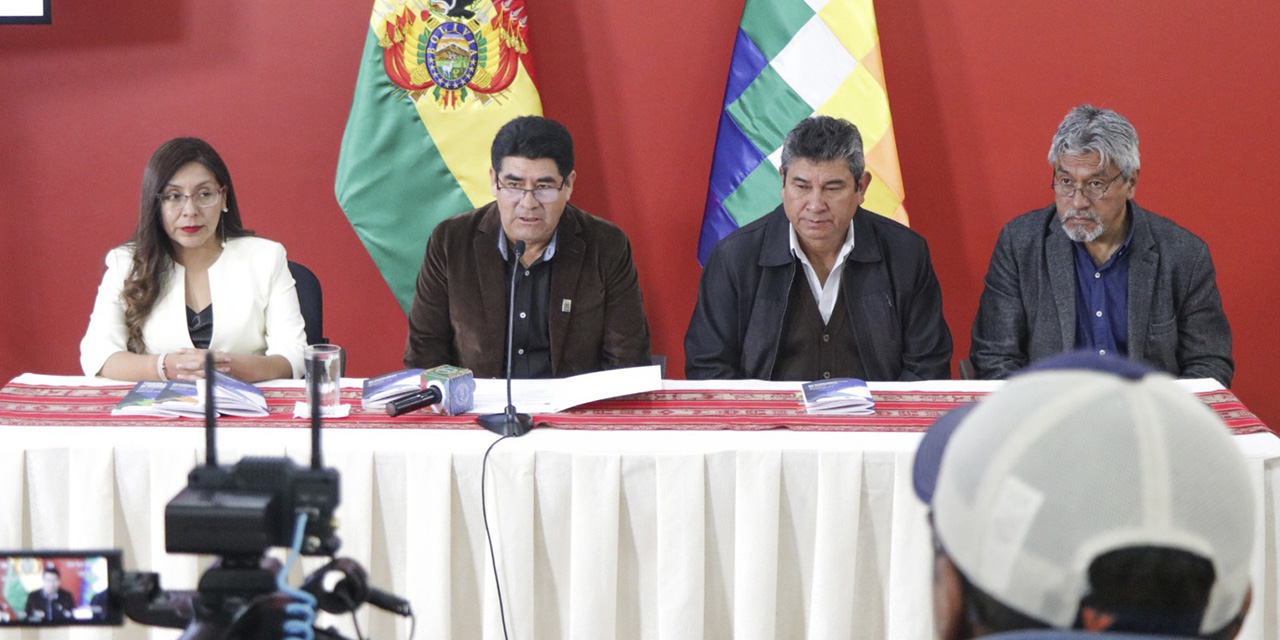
(847, 396)
(557, 394)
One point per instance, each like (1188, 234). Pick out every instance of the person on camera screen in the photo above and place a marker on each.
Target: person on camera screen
(50, 603)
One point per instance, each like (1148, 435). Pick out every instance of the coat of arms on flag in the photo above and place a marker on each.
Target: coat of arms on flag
(453, 52)
(793, 59)
(437, 80)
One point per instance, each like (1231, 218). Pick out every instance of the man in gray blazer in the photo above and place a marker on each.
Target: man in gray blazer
(1096, 271)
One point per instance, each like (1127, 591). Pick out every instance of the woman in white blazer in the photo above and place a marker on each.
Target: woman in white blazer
(192, 279)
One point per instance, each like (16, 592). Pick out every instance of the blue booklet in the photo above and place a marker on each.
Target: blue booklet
(233, 396)
(848, 396)
(170, 399)
(186, 399)
(380, 390)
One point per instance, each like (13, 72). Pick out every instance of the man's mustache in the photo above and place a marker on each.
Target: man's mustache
(1083, 213)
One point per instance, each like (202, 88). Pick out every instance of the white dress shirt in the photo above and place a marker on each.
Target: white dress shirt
(824, 293)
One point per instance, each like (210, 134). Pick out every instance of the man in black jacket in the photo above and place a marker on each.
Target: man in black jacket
(51, 603)
(820, 287)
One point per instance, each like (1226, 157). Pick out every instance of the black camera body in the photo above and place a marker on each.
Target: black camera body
(245, 509)
(235, 512)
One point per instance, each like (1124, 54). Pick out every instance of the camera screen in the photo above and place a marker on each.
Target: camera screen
(58, 588)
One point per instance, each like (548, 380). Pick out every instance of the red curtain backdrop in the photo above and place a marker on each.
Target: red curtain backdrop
(976, 86)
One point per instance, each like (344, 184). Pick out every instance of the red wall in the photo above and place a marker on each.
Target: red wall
(977, 88)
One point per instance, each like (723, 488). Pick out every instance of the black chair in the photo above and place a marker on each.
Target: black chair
(661, 361)
(311, 301)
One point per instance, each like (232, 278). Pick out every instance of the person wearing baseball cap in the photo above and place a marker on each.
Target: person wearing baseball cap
(1090, 494)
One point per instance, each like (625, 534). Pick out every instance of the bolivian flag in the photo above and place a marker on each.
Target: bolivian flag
(435, 85)
(793, 59)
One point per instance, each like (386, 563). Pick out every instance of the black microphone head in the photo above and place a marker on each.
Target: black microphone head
(414, 401)
(389, 602)
(519, 248)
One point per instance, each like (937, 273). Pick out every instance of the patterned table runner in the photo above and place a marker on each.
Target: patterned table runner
(896, 411)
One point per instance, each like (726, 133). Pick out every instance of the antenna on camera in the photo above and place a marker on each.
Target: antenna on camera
(210, 414)
(316, 373)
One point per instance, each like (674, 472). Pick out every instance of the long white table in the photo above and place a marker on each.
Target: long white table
(619, 534)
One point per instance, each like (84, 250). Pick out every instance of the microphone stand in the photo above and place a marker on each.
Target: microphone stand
(509, 423)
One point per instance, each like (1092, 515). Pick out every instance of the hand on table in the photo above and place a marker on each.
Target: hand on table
(188, 364)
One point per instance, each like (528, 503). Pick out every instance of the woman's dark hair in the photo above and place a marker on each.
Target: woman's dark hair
(153, 252)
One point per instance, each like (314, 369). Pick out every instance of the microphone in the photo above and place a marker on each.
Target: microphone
(351, 590)
(509, 423)
(414, 401)
(450, 391)
(389, 602)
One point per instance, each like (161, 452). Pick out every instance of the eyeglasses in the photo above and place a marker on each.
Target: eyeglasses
(204, 198)
(545, 195)
(1094, 189)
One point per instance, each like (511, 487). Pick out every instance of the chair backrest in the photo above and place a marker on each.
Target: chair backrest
(311, 301)
(661, 361)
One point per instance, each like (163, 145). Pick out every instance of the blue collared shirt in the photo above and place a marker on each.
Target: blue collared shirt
(1102, 299)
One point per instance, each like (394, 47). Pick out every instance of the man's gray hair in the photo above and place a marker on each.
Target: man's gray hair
(1102, 131)
(823, 138)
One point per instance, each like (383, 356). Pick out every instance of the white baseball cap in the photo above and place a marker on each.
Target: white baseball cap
(1062, 465)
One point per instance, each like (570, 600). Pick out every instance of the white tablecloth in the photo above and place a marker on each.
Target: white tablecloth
(630, 534)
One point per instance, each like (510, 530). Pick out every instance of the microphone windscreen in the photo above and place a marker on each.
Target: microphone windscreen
(519, 248)
(457, 388)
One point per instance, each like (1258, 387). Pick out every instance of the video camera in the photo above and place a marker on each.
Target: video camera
(234, 512)
(246, 509)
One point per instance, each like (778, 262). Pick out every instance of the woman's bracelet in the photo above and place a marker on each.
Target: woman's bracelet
(160, 370)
